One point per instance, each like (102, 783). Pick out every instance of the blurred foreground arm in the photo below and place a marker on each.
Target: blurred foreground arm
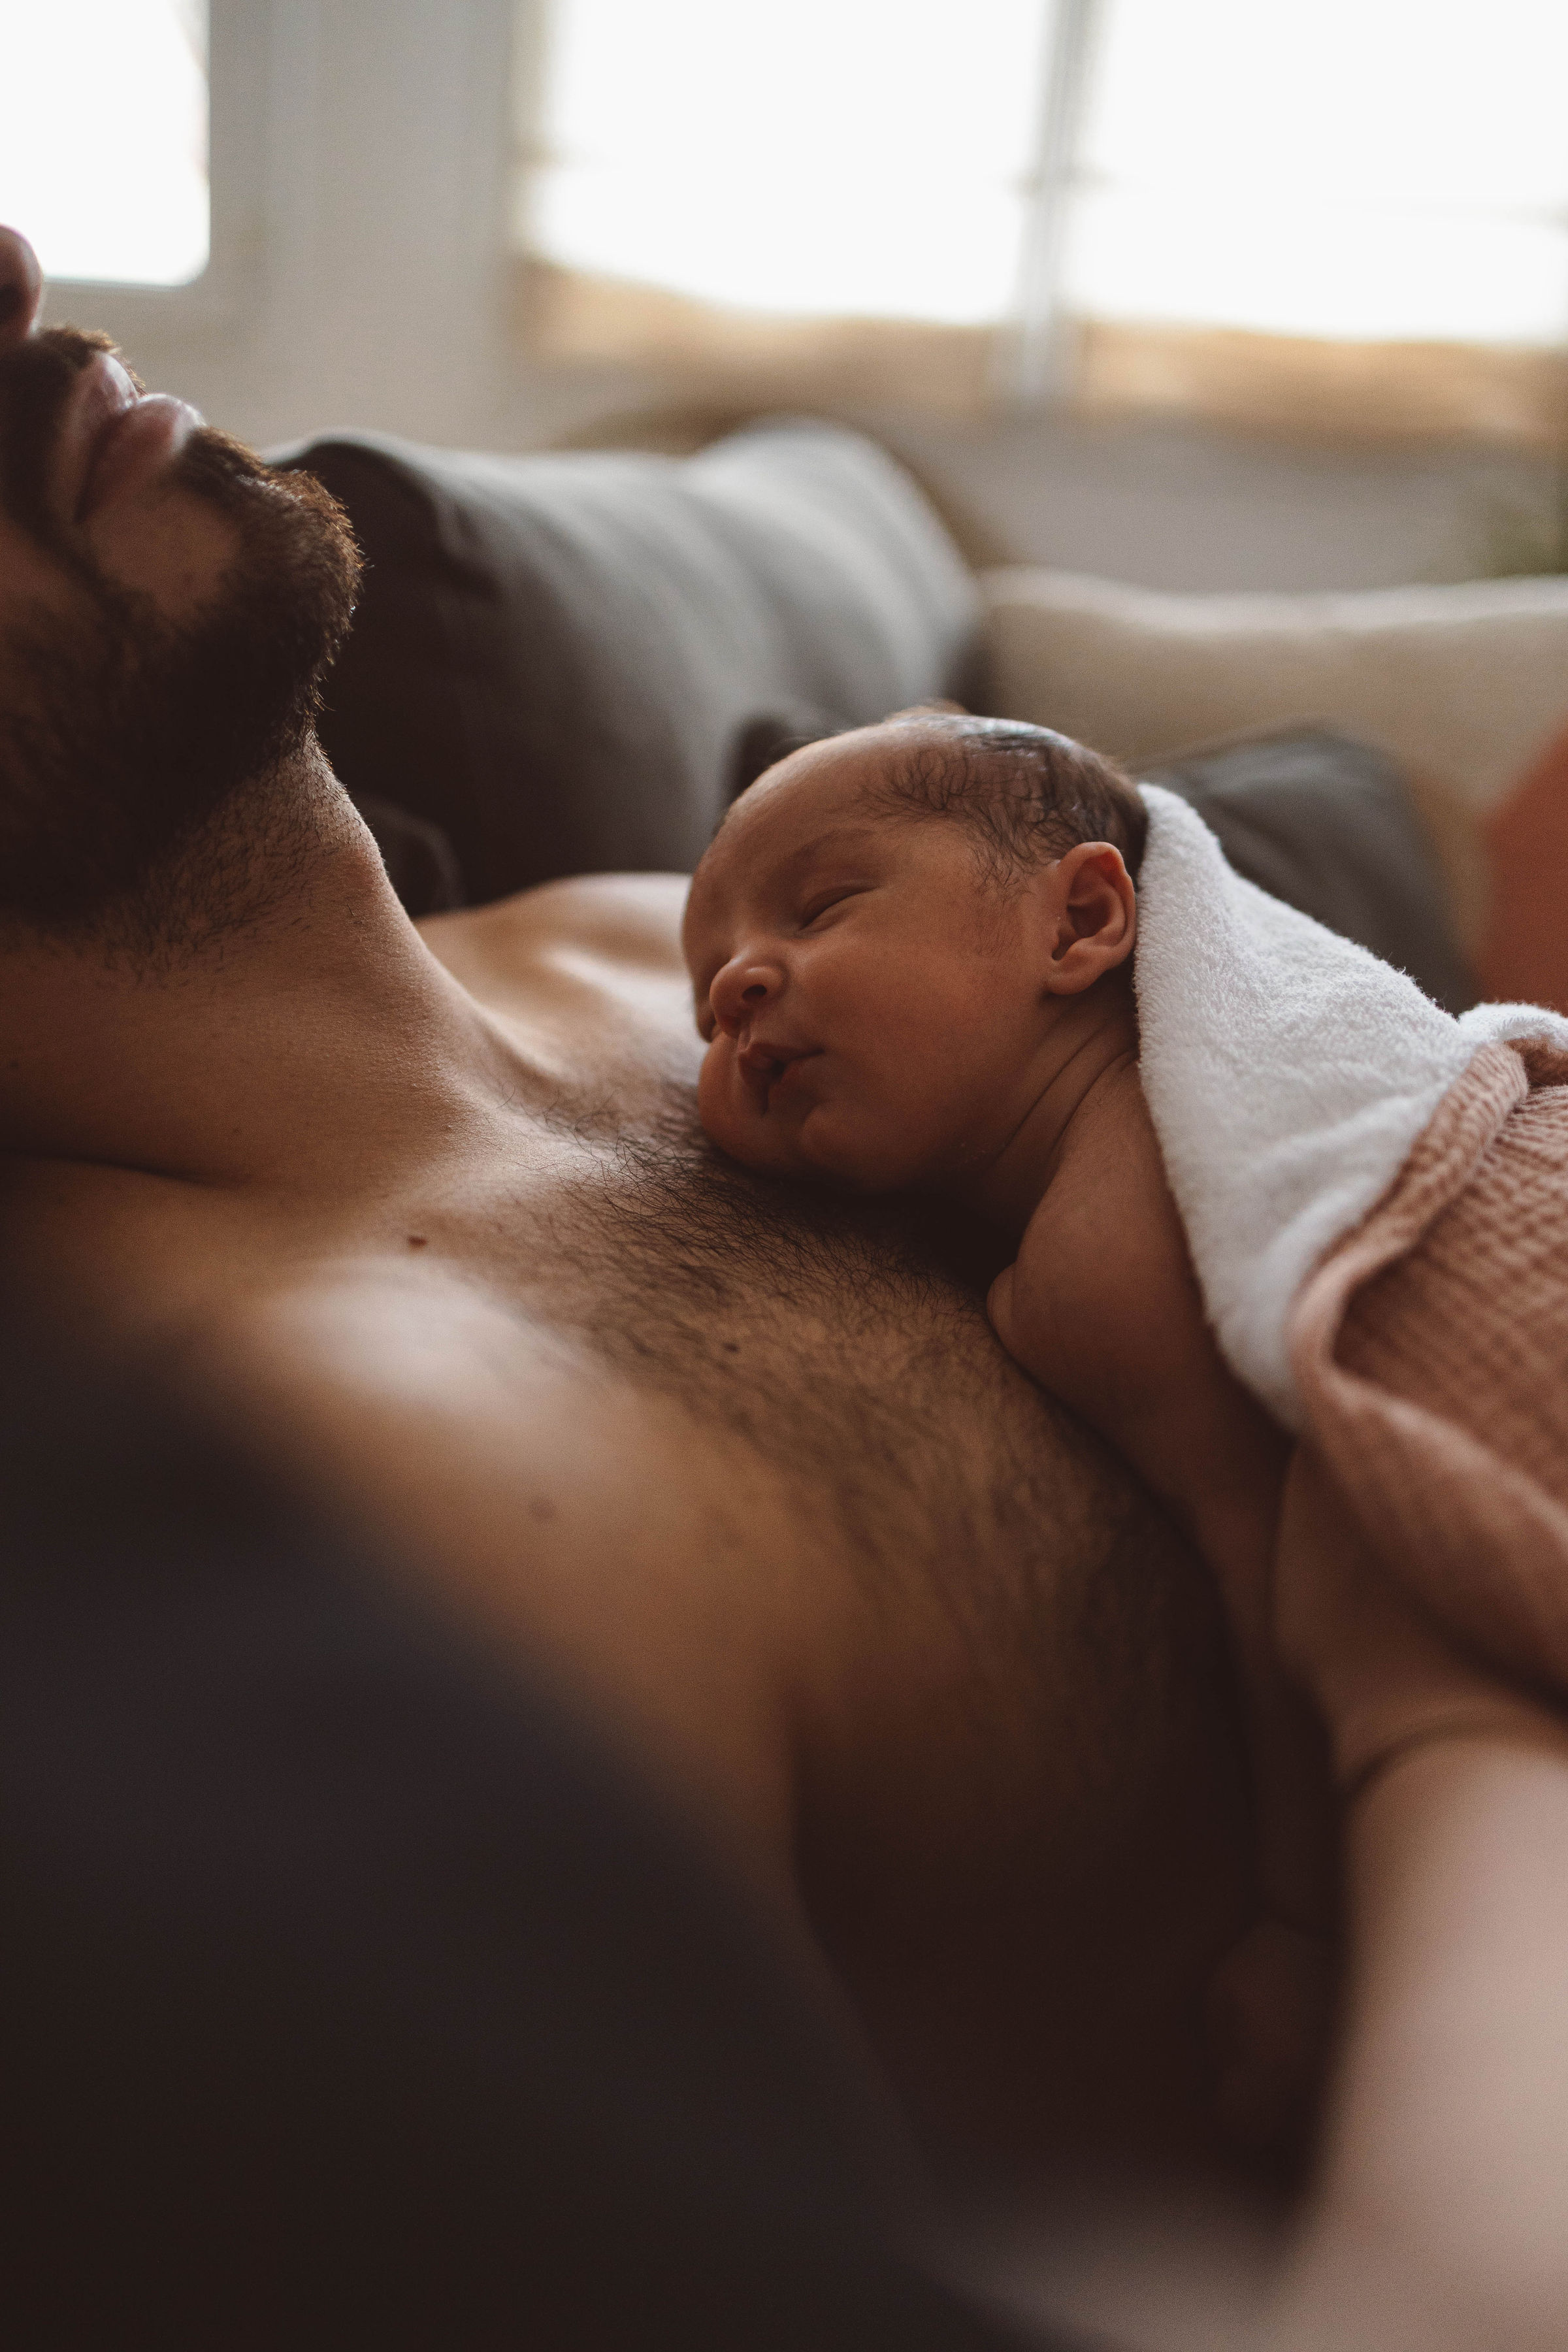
(1441, 2216)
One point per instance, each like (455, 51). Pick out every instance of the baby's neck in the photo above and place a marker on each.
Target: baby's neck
(1093, 1050)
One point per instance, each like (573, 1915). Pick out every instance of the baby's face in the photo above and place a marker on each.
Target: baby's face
(870, 1006)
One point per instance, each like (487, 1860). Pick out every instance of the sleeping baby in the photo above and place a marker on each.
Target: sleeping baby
(912, 953)
(911, 947)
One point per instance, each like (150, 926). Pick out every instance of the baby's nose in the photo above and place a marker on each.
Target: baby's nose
(740, 991)
(21, 286)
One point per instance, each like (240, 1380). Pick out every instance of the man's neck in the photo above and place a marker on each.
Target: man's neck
(1091, 1044)
(318, 1032)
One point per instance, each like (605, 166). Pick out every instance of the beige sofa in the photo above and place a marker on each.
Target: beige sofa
(1463, 685)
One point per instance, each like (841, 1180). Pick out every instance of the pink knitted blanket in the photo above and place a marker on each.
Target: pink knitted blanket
(1430, 1347)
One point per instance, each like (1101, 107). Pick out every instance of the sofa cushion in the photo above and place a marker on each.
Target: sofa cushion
(1462, 684)
(1523, 951)
(569, 664)
(1327, 824)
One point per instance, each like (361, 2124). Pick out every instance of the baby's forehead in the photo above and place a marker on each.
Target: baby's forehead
(836, 784)
(817, 804)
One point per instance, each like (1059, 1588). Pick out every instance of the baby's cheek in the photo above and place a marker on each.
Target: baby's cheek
(716, 1082)
(727, 1110)
(1014, 1306)
(999, 1304)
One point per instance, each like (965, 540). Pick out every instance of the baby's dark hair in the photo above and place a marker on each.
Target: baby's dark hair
(1025, 795)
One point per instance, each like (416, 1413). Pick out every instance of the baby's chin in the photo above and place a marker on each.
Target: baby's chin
(747, 1133)
(813, 1145)
(771, 1142)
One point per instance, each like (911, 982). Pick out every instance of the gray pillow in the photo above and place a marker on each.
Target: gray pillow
(569, 664)
(1326, 824)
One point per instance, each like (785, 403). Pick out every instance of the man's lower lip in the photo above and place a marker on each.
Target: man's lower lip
(134, 446)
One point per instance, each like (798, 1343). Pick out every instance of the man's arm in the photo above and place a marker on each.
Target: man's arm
(1442, 2216)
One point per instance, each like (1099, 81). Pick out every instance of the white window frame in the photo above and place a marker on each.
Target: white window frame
(239, 52)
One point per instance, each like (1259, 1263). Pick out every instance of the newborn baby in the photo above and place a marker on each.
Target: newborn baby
(912, 952)
(911, 947)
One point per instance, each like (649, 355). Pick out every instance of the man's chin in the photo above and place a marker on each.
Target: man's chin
(133, 729)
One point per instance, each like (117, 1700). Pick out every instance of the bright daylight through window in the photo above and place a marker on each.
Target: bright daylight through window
(105, 166)
(838, 157)
(1371, 169)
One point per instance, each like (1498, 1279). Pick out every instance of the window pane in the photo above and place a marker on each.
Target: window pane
(1370, 168)
(103, 161)
(834, 156)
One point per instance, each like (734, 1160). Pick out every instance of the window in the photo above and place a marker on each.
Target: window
(105, 165)
(1341, 208)
(836, 157)
(1393, 170)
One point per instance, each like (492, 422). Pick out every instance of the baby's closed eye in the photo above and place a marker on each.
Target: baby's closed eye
(822, 904)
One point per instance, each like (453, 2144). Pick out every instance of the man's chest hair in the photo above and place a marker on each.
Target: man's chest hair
(845, 1341)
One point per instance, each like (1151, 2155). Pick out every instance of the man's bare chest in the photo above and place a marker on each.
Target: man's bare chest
(843, 1344)
(746, 1466)
(825, 1364)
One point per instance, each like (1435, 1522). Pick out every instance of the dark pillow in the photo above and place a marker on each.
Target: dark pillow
(1326, 824)
(569, 664)
(420, 861)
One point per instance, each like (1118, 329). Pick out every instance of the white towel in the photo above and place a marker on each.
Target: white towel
(1288, 1074)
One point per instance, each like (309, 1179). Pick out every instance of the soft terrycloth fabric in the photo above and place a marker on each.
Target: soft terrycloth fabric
(1289, 1075)
(1431, 1353)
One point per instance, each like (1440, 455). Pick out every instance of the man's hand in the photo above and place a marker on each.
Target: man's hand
(1383, 1675)
(1440, 2217)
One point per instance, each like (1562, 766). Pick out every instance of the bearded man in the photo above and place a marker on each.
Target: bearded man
(427, 1215)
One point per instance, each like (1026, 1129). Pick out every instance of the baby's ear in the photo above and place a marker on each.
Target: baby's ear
(938, 708)
(1089, 898)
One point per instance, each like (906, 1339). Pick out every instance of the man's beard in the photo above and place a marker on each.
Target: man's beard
(124, 735)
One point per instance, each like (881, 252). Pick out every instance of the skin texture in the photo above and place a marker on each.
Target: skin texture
(431, 1219)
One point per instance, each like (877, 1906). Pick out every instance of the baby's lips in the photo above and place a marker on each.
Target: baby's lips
(759, 1053)
(757, 1071)
(761, 1066)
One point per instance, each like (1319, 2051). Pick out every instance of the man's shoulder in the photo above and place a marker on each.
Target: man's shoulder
(632, 919)
(588, 977)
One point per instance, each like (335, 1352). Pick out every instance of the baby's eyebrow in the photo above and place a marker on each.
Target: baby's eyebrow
(820, 846)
